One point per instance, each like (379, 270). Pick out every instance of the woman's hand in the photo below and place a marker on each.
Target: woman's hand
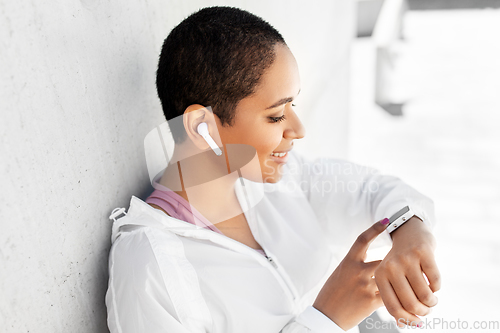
(350, 294)
(399, 278)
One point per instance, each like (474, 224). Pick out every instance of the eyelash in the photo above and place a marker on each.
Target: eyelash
(279, 119)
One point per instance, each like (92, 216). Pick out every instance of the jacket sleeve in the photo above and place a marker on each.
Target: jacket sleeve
(348, 198)
(312, 320)
(137, 299)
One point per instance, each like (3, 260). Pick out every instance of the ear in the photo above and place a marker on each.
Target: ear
(193, 116)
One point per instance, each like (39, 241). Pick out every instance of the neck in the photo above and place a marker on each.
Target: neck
(205, 182)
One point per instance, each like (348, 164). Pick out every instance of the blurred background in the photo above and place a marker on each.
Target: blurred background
(425, 106)
(408, 87)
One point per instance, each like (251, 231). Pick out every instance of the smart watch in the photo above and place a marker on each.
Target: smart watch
(399, 218)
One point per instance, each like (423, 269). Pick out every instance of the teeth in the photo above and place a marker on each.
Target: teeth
(278, 154)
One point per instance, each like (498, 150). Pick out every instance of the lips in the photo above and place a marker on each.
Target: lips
(281, 151)
(280, 156)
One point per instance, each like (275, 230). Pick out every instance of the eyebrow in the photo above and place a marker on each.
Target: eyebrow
(281, 102)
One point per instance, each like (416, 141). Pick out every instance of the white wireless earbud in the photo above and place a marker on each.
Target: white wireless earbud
(203, 131)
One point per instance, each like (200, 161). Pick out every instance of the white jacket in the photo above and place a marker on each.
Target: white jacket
(168, 275)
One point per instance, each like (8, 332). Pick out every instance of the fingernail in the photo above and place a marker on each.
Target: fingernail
(384, 221)
(420, 325)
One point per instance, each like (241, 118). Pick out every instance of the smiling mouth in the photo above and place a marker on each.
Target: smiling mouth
(280, 157)
(279, 154)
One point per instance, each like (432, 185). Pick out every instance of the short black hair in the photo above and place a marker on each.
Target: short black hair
(215, 57)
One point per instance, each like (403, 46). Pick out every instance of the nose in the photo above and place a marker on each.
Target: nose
(294, 127)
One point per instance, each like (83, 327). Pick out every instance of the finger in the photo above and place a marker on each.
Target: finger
(371, 266)
(372, 285)
(377, 300)
(431, 270)
(393, 305)
(358, 249)
(374, 293)
(421, 288)
(407, 296)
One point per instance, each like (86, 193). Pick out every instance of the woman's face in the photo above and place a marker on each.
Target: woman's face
(266, 119)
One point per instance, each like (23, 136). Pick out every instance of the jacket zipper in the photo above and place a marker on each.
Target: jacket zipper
(285, 284)
(268, 258)
(281, 277)
(272, 261)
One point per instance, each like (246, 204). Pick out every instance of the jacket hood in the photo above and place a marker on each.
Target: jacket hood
(141, 214)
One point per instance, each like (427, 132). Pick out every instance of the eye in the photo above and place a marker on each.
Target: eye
(277, 119)
(294, 104)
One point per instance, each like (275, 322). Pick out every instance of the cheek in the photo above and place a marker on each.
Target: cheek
(268, 140)
(263, 137)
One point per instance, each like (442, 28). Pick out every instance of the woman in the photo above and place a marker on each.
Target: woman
(273, 225)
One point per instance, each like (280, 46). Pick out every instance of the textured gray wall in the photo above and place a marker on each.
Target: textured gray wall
(77, 98)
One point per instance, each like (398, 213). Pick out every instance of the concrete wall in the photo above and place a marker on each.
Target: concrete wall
(77, 98)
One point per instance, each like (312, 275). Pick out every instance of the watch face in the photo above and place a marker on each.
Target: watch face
(398, 214)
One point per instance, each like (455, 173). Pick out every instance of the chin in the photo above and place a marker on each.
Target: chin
(272, 179)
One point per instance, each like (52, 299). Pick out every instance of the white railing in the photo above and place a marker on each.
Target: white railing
(386, 35)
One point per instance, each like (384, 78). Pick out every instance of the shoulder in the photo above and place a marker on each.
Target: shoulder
(132, 251)
(143, 244)
(136, 279)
